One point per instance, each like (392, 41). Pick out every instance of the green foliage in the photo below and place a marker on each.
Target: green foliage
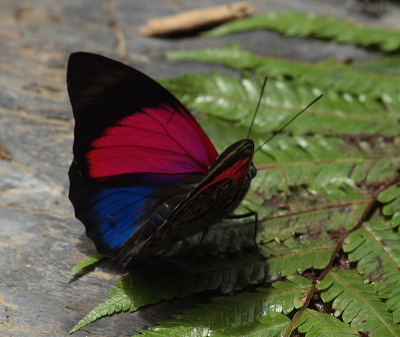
(88, 261)
(120, 299)
(337, 156)
(158, 280)
(308, 24)
(357, 303)
(231, 315)
(201, 324)
(391, 198)
(375, 246)
(286, 296)
(326, 75)
(386, 65)
(297, 255)
(235, 100)
(272, 325)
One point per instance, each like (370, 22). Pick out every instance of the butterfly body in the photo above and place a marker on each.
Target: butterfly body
(144, 175)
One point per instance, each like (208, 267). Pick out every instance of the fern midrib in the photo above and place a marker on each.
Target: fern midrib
(325, 66)
(315, 210)
(349, 160)
(304, 251)
(236, 308)
(276, 292)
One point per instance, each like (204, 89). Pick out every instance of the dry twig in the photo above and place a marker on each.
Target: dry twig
(195, 19)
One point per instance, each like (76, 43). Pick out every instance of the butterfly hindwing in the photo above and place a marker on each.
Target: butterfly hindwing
(118, 218)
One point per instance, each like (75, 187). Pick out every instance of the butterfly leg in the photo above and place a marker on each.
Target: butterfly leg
(247, 215)
(196, 252)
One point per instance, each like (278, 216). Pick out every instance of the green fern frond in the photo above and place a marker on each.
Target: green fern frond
(375, 248)
(238, 311)
(388, 65)
(88, 261)
(327, 195)
(150, 284)
(235, 100)
(226, 274)
(357, 303)
(231, 55)
(327, 75)
(311, 224)
(327, 164)
(228, 236)
(227, 311)
(309, 24)
(318, 324)
(121, 299)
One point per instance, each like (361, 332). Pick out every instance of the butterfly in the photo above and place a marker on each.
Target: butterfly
(144, 175)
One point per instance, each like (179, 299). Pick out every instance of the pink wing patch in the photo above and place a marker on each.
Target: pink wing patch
(154, 140)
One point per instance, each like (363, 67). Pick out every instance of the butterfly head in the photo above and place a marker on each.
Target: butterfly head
(252, 172)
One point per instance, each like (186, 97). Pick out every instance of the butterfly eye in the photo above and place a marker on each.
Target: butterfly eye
(252, 171)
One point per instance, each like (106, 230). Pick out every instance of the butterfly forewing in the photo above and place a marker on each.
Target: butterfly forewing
(145, 174)
(126, 123)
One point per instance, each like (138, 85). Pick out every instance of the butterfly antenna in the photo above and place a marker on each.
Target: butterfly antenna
(290, 121)
(258, 106)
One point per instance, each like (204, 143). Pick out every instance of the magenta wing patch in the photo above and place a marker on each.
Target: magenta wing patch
(155, 140)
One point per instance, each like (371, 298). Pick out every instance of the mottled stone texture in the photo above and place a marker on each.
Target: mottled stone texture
(40, 240)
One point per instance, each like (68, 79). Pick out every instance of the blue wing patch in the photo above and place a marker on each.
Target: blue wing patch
(118, 211)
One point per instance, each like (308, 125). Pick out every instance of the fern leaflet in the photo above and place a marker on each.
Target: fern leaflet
(318, 324)
(88, 261)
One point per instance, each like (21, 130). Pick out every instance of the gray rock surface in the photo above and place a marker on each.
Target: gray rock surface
(40, 240)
